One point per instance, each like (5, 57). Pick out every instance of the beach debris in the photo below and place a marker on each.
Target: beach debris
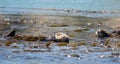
(81, 29)
(107, 42)
(101, 33)
(81, 43)
(60, 37)
(58, 25)
(18, 37)
(118, 44)
(8, 43)
(94, 44)
(30, 38)
(62, 44)
(42, 37)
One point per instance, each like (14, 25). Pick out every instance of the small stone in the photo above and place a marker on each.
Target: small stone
(102, 56)
(74, 55)
(115, 53)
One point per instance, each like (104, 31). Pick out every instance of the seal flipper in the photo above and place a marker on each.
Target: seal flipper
(11, 34)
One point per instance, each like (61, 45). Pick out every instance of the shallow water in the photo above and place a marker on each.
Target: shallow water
(21, 52)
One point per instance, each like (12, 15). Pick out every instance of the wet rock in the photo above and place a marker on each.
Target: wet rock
(72, 55)
(30, 38)
(75, 55)
(115, 55)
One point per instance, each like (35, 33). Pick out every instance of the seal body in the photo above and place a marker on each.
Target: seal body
(60, 37)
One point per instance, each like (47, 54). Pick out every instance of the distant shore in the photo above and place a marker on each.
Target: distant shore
(66, 12)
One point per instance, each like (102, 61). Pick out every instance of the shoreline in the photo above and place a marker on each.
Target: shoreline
(68, 12)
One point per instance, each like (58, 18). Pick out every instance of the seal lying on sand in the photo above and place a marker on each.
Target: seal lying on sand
(60, 37)
(102, 33)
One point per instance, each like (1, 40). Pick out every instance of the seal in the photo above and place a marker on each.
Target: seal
(101, 33)
(60, 37)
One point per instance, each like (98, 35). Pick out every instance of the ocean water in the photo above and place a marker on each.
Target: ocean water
(110, 5)
(25, 6)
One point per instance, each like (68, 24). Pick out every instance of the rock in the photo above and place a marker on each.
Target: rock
(72, 55)
(115, 53)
